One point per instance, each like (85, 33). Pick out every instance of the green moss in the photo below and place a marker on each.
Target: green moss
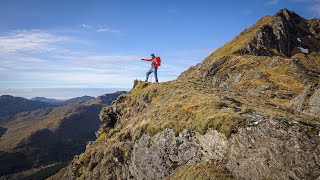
(84, 158)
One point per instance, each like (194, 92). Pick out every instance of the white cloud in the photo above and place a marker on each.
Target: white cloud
(100, 58)
(272, 2)
(86, 26)
(106, 29)
(99, 28)
(30, 41)
(37, 58)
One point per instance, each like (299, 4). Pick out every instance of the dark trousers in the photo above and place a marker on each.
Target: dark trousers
(152, 70)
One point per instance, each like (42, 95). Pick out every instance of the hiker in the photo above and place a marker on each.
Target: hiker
(156, 62)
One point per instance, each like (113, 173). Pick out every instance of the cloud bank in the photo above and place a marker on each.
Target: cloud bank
(37, 58)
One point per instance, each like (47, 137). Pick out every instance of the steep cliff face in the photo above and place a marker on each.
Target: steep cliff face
(236, 115)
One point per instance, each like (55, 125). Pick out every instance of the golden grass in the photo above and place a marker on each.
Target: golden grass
(243, 39)
(203, 171)
(184, 107)
(189, 105)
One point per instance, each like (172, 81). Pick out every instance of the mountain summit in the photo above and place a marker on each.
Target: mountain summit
(250, 110)
(283, 34)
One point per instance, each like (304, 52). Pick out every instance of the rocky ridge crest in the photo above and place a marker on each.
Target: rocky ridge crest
(248, 111)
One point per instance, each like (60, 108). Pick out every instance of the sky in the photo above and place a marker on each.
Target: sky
(99, 44)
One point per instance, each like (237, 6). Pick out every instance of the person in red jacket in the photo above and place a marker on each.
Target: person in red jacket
(156, 62)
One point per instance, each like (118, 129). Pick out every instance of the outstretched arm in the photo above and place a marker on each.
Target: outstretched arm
(147, 59)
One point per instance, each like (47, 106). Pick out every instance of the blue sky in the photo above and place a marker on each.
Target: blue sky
(99, 44)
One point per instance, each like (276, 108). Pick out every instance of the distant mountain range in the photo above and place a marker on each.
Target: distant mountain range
(61, 102)
(76, 100)
(45, 133)
(9, 106)
(46, 100)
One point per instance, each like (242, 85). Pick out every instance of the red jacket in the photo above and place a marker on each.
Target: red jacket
(156, 61)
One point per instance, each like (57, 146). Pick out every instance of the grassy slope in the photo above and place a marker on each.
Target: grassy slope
(191, 105)
(30, 122)
(150, 108)
(205, 171)
(188, 104)
(243, 39)
(248, 36)
(54, 136)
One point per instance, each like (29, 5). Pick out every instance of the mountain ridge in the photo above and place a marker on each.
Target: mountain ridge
(276, 35)
(47, 100)
(11, 105)
(248, 114)
(76, 100)
(49, 135)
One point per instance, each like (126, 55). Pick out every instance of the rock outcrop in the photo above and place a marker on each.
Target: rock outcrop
(286, 32)
(308, 101)
(267, 148)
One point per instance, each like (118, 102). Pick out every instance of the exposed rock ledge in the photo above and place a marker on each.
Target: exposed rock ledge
(308, 101)
(268, 148)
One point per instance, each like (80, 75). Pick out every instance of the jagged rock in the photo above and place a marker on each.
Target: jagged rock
(266, 148)
(308, 101)
(314, 103)
(213, 69)
(284, 95)
(281, 35)
(238, 103)
(265, 88)
(274, 149)
(109, 116)
(89, 144)
(255, 152)
(273, 63)
(154, 158)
